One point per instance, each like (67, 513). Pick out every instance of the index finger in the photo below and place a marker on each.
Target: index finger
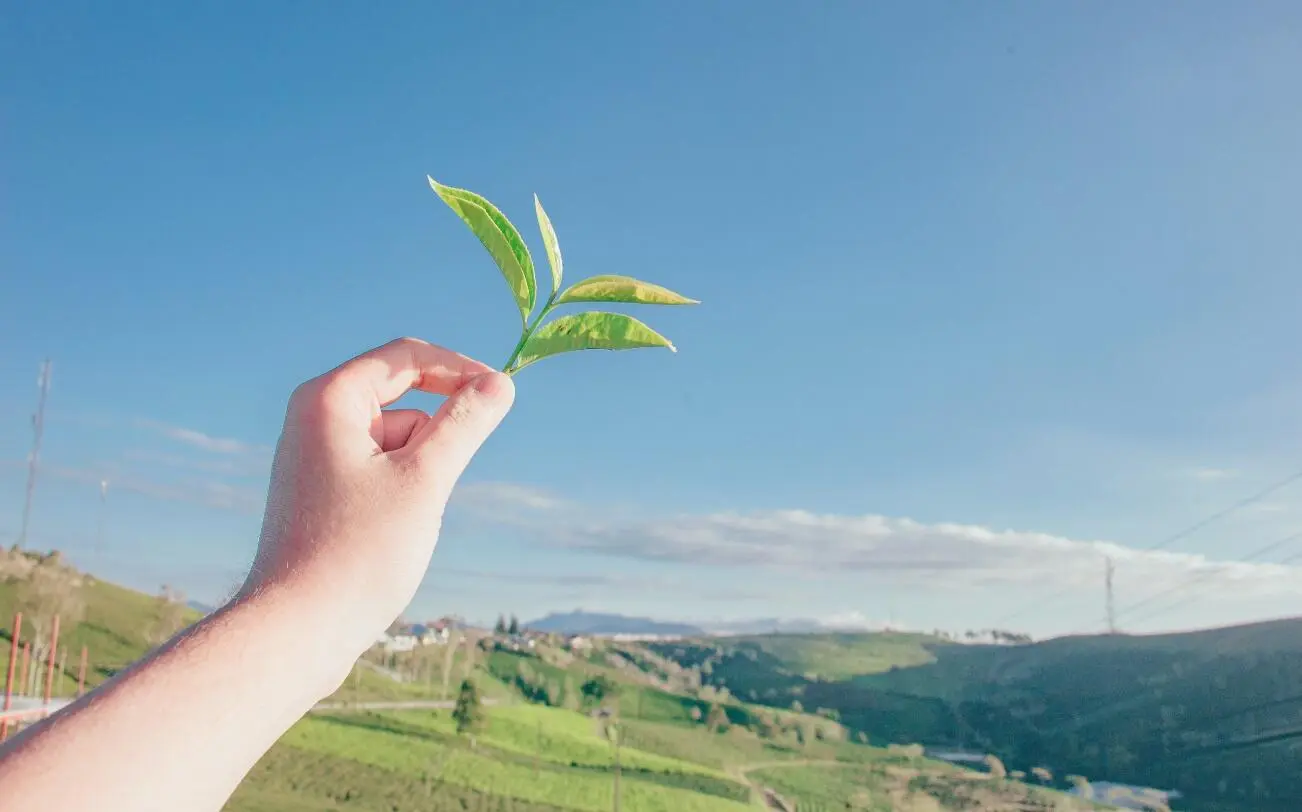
(390, 371)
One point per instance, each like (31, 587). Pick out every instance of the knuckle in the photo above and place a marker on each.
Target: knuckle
(406, 341)
(315, 396)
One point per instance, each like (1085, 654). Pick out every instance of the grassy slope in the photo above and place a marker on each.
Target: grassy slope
(411, 760)
(839, 656)
(537, 759)
(420, 748)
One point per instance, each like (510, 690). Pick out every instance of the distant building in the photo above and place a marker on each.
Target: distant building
(577, 642)
(637, 637)
(392, 643)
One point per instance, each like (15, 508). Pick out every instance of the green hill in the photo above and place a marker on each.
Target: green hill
(1216, 714)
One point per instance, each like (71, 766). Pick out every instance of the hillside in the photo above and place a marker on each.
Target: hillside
(115, 625)
(547, 745)
(1216, 714)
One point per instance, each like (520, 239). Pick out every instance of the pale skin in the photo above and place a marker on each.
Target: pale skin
(353, 513)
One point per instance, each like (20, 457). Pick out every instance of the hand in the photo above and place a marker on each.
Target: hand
(358, 492)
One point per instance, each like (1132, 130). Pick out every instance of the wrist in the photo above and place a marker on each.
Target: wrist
(315, 638)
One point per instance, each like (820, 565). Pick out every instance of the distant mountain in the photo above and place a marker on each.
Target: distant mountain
(202, 608)
(580, 622)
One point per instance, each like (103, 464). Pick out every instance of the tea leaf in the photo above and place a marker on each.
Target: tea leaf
(589, 331)
(549, 241)
(501, 239)
(623, 289)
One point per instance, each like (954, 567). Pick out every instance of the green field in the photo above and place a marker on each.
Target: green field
(538, 756)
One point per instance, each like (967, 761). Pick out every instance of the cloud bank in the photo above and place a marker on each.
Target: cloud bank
(942, 555)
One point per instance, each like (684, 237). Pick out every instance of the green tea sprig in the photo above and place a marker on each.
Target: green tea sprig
(589, 330)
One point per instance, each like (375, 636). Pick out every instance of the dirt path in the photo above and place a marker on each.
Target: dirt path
(770, 797)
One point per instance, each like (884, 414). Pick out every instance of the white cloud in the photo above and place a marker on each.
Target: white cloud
(204, 442)
(494, 497)
(937, 556)
(851, 621)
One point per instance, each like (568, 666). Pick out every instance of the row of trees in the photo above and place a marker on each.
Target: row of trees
(504, 626)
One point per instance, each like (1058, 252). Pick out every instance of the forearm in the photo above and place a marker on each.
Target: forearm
(182, 728)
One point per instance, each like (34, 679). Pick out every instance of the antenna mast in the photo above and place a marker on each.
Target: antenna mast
(33, 459)
(1112, 606)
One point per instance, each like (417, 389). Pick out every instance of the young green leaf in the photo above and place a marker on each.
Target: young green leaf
(588, 331)
(501, 239)
(549, 241)
(623, 289)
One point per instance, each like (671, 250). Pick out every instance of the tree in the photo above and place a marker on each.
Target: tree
(49, 589)
(514, 628)
(500, 626)
(469, 712)
(597, 689)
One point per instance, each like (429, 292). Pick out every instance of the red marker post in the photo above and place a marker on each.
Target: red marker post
(49, 661)
(9, 675)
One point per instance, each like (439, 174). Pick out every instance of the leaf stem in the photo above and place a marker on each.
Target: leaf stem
(528, 331)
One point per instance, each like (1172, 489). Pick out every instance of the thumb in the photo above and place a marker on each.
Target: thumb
(446, 443)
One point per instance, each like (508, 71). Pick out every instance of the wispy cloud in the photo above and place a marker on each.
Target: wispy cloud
(495, 497)
(208, 493)
(1210, 474)
(943, 555)
(244, 467)
(204, 442)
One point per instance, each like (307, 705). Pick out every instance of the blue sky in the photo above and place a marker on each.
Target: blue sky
(990, 291)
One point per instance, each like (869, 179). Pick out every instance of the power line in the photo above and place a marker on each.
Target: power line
(1269, 548)
(1171, 539)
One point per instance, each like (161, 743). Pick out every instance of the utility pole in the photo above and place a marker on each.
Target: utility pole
(33, 459)
(1112, 606)
(99, 527)
(618, 740)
